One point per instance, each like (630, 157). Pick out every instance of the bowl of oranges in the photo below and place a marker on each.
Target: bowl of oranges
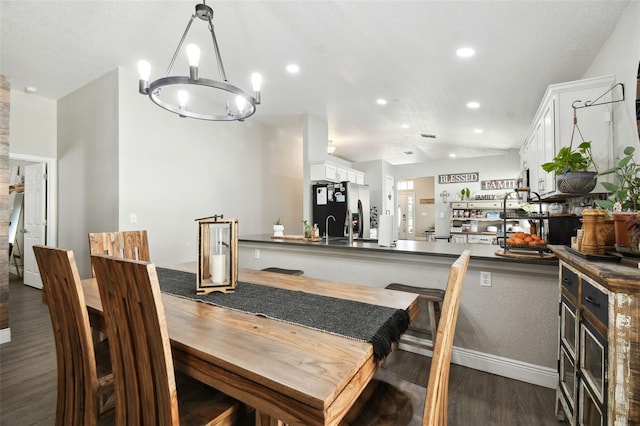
(525, 240)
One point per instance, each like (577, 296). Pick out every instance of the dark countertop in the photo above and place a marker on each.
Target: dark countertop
(410, 247)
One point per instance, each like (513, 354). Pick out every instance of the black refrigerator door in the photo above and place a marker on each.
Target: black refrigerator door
(326, 203)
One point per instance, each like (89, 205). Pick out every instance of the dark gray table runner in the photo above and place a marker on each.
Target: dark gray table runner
(360, 321)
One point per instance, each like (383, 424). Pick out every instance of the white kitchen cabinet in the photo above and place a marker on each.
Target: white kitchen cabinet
(458, 239)
(529, 160)
(342, 175)
(327, 172)
(546, 147)
(553, 124)
(323, 172)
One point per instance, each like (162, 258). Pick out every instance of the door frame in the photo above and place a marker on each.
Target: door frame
(52, 193)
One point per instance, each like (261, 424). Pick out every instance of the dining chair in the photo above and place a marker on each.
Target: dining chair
(83, 390)
(390, 400)
(125, 244)
(148, 391)
(433, 297)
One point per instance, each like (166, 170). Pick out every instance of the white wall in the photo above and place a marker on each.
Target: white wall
(620, 55)
(88, 165)
(281, 182)
(33, 124)
(494, 167)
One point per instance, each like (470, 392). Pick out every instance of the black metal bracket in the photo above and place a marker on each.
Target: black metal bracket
(587, 104)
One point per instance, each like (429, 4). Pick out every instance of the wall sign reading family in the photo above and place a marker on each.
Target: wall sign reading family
(459, 177)
(488, 185)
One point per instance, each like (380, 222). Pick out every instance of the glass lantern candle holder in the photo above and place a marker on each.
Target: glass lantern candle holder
(217, 255)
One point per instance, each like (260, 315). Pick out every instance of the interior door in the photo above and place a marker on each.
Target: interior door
(35, 219)
(407, 215)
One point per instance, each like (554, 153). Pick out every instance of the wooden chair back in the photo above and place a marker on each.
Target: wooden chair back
(77, 377)
(390, 400)
(144, 379)
(125, 244)
(436, 402)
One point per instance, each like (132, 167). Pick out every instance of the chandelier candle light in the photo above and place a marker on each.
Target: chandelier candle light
(244, 105)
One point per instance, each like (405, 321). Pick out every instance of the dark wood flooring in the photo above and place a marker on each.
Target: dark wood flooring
(28, 377)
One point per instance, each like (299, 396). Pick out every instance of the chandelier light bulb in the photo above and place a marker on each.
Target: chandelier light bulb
(144, 70)
(193, 54)
(241, 103)
(183, 98)
(256, 81)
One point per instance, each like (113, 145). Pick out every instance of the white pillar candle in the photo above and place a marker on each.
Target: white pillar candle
(218, 268)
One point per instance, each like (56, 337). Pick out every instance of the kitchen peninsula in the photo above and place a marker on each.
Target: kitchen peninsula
(507, 327)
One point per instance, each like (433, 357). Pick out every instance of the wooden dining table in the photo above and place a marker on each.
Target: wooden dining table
(287, 372)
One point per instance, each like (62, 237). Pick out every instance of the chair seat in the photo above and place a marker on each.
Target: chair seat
(433, 297)
(388, 400)
(432, 293)
(199, 403)
(296, 272)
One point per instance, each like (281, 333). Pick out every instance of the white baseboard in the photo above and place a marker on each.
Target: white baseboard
(5, 335)
(513, 369)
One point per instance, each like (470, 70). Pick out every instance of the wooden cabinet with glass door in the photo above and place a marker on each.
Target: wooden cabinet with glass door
(599, 343)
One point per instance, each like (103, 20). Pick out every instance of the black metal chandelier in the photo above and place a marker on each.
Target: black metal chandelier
(178, 88)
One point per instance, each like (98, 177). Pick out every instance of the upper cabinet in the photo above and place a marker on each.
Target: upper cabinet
(553, 125)
(326, 172)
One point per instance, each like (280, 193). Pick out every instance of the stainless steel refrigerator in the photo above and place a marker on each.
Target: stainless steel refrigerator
(336, 199)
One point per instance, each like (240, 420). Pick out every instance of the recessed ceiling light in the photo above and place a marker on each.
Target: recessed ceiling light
(293, 68)
(381, 101)
(30, 89)
(405, 126)
(478, 131)
(452, 155)
(465, 52)
(473, 105)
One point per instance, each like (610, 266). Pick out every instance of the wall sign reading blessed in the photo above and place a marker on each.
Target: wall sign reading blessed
(459, 177)
(488, 185)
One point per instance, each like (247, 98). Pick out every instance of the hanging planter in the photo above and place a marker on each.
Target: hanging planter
(576, 182)
(571, 167)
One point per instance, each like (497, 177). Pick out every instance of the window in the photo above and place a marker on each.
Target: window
(405, 185)
(410, 214)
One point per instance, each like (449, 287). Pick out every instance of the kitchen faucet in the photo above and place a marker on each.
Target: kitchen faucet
(326, 228)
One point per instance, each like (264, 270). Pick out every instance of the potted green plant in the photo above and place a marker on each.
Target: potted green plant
(626, 189)
(278, 228)
(572, 169)
(465, 193)
(624, 201)
(308, 230)
(634, 230)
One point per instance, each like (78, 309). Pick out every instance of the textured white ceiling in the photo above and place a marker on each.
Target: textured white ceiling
(350, 53)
